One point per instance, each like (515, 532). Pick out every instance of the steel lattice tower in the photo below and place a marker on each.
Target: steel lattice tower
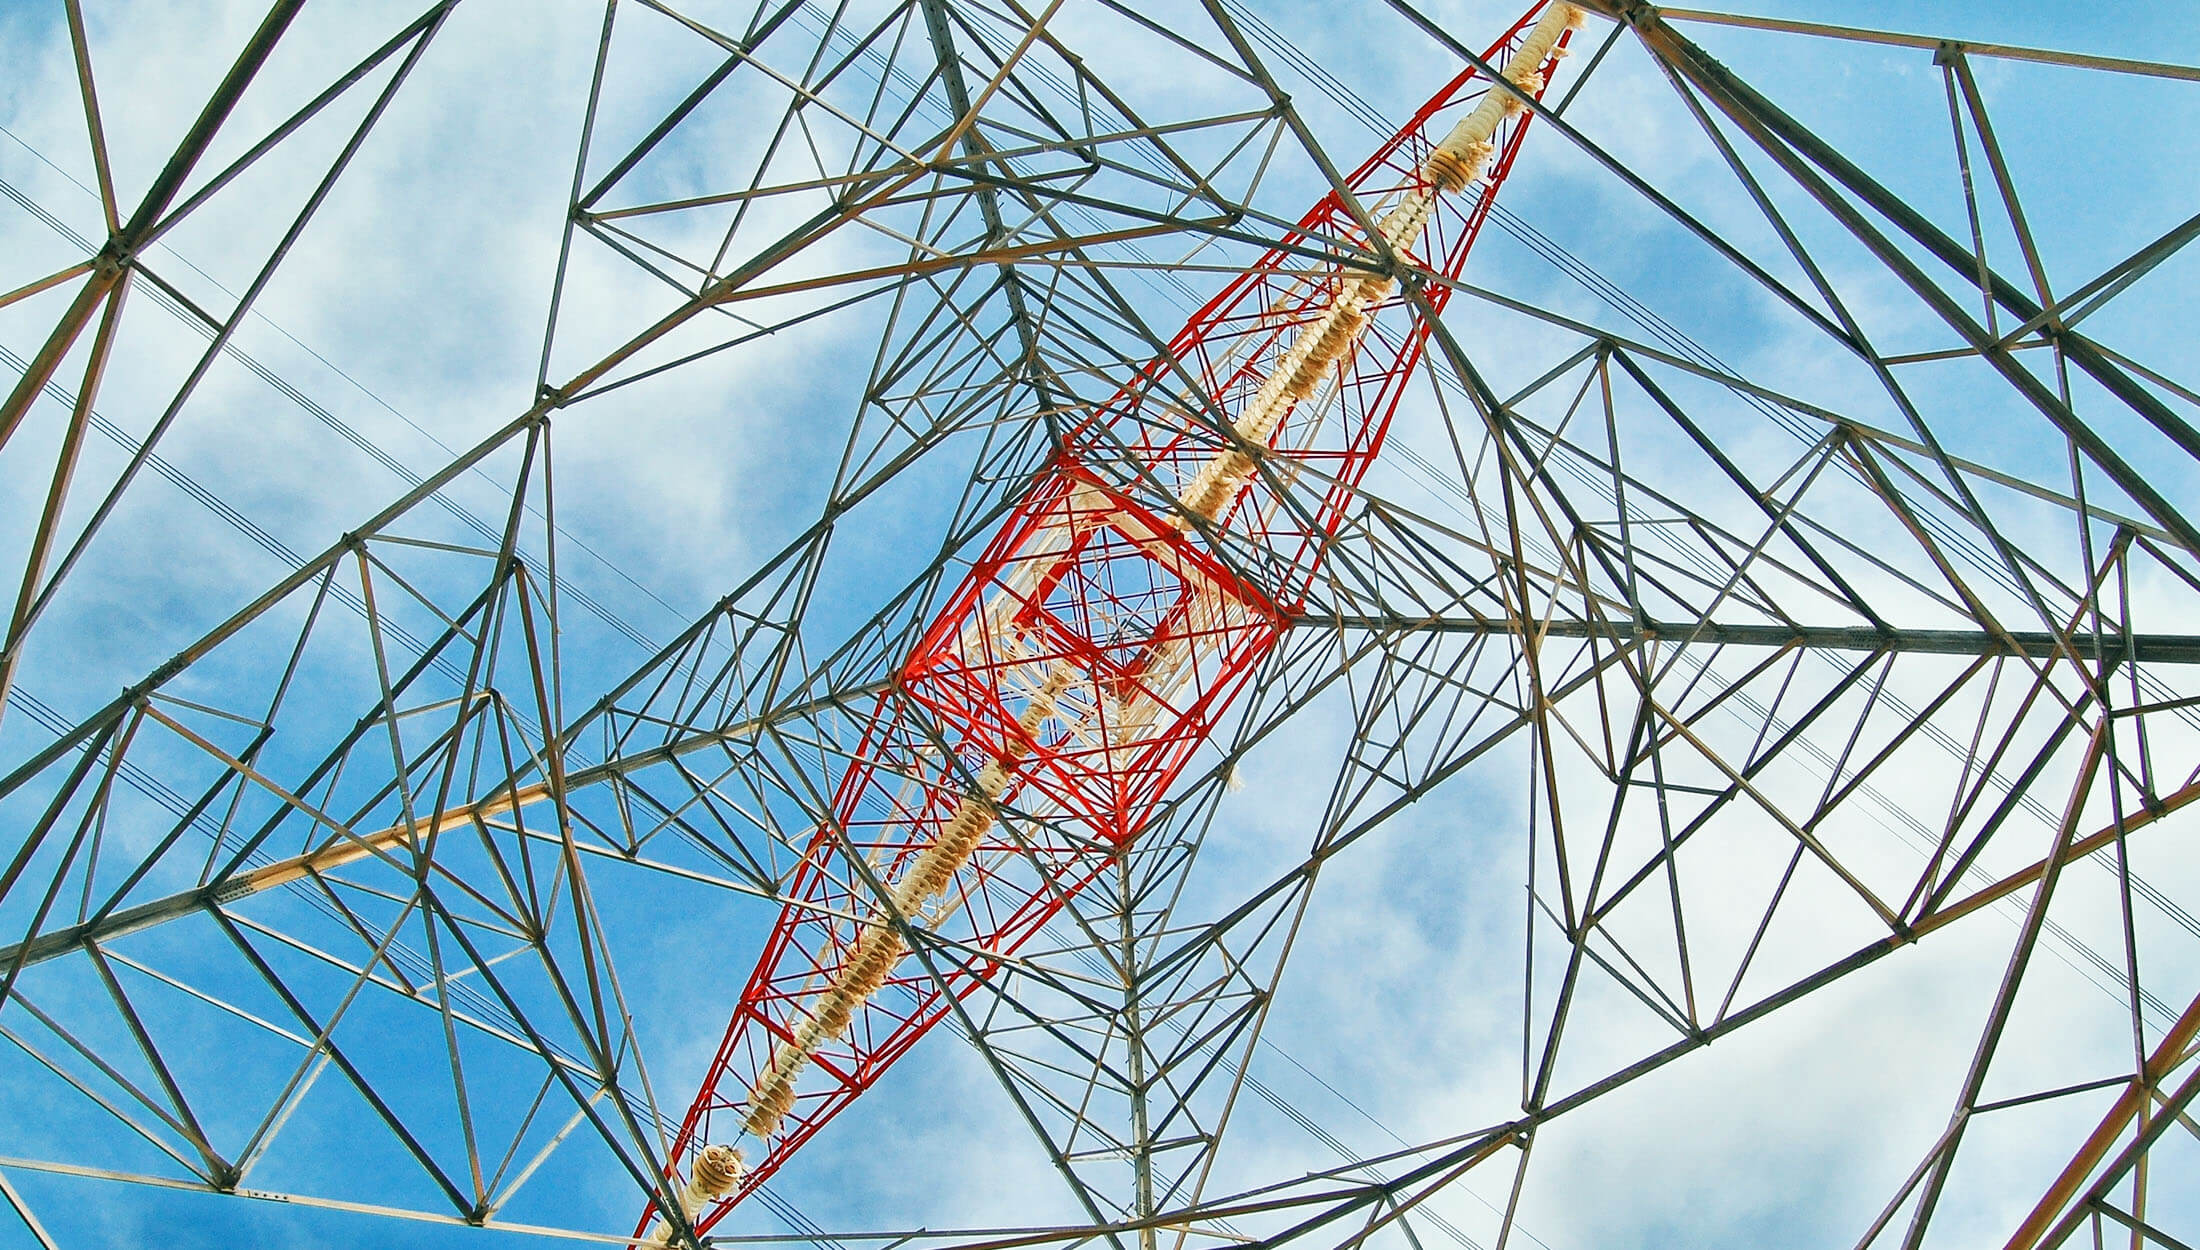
(1032, 721)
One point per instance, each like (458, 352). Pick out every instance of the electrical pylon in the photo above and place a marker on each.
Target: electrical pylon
(1103, 634)
(1773, 593)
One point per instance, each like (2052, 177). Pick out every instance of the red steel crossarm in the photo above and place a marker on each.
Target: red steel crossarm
(1098, 640)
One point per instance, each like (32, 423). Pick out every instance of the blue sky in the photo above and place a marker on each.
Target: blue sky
(412, 312)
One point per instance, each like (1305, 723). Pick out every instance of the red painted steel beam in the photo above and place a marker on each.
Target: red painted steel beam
(1092, 649)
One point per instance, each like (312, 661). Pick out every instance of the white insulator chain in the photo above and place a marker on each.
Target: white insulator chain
(717, 1173)
(1453, 165)
(878, 947)
(1299, 371)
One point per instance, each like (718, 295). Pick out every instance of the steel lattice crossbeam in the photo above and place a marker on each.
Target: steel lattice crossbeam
(1096, 643)
(1330, 773)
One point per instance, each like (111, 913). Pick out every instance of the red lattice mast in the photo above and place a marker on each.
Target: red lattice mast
(1097, 641)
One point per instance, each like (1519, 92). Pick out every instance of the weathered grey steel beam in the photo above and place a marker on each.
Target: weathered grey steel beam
(2151, 648)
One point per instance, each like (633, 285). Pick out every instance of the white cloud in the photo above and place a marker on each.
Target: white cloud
(425, 279)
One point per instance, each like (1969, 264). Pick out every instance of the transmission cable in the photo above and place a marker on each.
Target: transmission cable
(345, 430)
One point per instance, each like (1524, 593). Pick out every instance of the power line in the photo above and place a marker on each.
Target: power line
(344, 429)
